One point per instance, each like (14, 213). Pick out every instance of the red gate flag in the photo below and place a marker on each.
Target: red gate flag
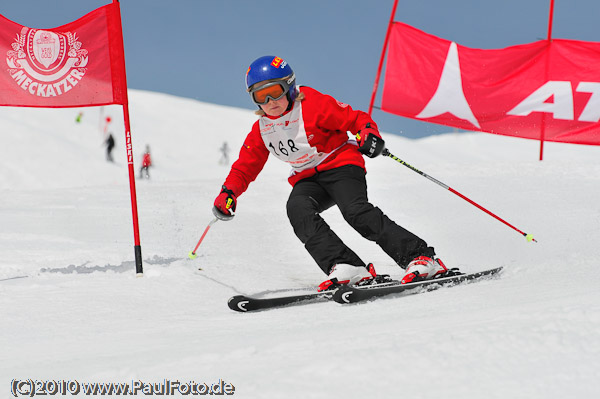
(77, 64)
(546, 86)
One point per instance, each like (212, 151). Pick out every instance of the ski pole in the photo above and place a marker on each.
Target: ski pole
(387, 153)
(192, 254)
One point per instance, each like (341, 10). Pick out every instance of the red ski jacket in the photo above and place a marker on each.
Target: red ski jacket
(146, 161)
(311, 137)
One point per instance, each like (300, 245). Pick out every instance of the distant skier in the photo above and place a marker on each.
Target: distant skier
(224, 154)
(110, 144)
(146, 164)
(307, 129)
(78, 117)
(107, 122)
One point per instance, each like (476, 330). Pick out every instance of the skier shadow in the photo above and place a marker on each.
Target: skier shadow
(126, 266)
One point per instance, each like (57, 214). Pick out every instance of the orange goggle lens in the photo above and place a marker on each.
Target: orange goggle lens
(272, 91)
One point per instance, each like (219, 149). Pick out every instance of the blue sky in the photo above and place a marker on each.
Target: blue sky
(201, 49)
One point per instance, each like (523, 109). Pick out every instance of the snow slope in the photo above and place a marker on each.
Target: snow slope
(71, 307)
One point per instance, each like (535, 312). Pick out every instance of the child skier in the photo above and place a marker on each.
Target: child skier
(308, 130)
(146, 164)
(110, 145)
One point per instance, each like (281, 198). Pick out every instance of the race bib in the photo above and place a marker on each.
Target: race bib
(286, 138)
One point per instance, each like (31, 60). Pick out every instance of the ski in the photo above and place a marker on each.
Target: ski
(344, 294)
(245, 303)
(347, 294)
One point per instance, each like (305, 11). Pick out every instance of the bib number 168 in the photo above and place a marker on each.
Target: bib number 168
(283, 149)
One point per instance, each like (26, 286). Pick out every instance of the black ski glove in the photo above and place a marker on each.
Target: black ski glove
(370, 142)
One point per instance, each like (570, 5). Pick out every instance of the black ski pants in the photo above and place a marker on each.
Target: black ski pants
(346, 187)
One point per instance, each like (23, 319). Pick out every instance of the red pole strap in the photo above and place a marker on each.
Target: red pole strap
(543, 125)
(204, 235)
(387, 153)
(550, 19)
(122, 87)
(139, 269)
(385, 42)
(192, 254)
(488, 212)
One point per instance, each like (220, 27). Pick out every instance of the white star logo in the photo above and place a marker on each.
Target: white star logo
(449, 95)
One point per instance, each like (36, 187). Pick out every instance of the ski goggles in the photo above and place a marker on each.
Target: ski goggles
(271, 91)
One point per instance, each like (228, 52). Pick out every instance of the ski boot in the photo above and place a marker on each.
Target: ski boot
(426, 268)
(348, 274)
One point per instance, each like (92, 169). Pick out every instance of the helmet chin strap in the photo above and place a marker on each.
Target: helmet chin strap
(290, 102)
(289, 98)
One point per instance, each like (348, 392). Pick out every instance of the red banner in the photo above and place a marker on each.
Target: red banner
(550, 88)
(78, 64)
